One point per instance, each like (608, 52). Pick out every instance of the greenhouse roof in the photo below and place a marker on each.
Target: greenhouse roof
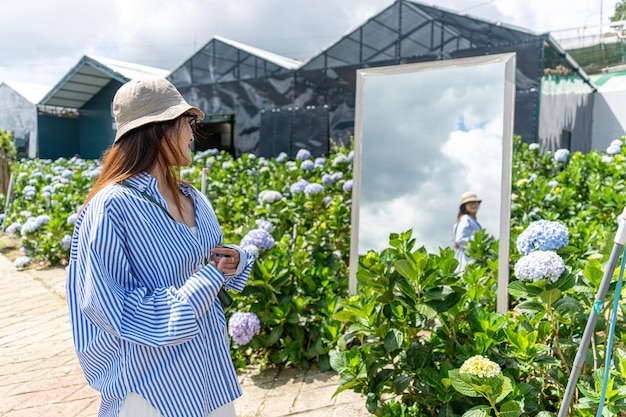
(268, 56)
(31, 92)
(90, 75)
(408, 29)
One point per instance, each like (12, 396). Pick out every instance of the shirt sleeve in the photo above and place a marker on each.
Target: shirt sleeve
(237, 281)
(113, 300)
(463, 231)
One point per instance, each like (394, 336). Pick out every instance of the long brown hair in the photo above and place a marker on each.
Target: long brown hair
(140, 150)
(462, 211)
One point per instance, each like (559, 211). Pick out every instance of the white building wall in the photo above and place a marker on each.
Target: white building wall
(19, 116)
(609, 118)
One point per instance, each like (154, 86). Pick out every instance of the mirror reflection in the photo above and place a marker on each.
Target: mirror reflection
(425, 134)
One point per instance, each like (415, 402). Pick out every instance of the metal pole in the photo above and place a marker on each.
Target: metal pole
(620, 240)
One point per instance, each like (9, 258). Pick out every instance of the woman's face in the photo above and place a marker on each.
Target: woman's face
(183, 139)
(472, 207)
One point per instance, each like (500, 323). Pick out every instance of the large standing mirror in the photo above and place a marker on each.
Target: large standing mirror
(424, 134)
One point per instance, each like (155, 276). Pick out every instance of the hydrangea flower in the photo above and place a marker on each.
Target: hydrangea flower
(13, 228)
(71, 219)
(607, 159)
(269, 196)
(303, 154)
(319, 162)
(66, 242)
(282, 157)
(553, 183)
(243, 326)
(340, 159)
(480, 366)
(533, 146)
(336, 176)
(542, 235)
(298, 186)
(539, 265)
(313, 189)
(560, 155)
(351, 156)
(307, 165)
(252, 250)
(29, 191)
(347, 186)
(21, 261)
(327, 180)
(265, 225)
(259, 238)
(614, 149)
(67, 173)
(227, 164)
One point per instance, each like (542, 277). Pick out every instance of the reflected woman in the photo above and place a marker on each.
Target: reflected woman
(465, 226)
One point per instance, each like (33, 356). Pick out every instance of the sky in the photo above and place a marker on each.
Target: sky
(41, 40)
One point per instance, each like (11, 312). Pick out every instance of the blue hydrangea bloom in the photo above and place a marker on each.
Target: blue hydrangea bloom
(553, 183)
(614, 149)
(347, 186)
(303, 154)
(66, 242)
(319, 162)
(243, 326)
(327, 180)
(560, 155)
(307, 165)
(351, 156)
(259, 238)
(13, 228)
(313, 189)
(540, 265)
(71, 220)
(337, 176)
(340, 159)
(282, 157)
(21, 261)
(298, 186)
(542, 235)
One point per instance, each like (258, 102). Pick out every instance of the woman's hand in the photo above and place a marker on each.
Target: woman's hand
(225, 259)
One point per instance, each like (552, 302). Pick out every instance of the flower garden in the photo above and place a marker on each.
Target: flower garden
(418, 339)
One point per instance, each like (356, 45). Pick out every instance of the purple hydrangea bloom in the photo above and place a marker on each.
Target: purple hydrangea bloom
(351, 156)
(313, 189)
(560, 155)
(539, 265)
(298, 186)
(303, 154)
(542, 235)
(243, 326)
(265, 225)
(259, 238)
(347, 186)
(307, 165)
(319, 161)
(14, 228)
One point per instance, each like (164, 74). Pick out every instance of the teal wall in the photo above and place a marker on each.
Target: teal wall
(58, 136)
(95, 126)
(88, 135)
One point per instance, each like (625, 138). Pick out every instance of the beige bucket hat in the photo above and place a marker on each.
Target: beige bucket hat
(148, 100)
(468, 197)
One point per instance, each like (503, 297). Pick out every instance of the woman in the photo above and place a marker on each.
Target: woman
(145, 269)
(465, 226)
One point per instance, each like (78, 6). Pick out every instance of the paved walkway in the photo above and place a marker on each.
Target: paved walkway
(40, 375)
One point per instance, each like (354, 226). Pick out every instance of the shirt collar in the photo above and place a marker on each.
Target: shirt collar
(144, 180)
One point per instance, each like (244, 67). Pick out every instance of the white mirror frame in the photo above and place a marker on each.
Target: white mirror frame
(508, 60)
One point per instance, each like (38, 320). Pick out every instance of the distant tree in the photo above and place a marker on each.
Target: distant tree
(620, 11)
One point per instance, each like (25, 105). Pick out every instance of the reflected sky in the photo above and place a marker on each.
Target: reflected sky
(428, 137)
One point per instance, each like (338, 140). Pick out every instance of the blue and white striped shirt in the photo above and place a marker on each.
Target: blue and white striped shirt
(143, 306)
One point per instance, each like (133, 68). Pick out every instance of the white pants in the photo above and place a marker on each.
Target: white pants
(134, 405)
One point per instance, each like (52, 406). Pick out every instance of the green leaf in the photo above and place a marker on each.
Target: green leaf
(393, 340)
(502, 389)
(510, 409)
(462, 386)
(400, 383)
(530, 307)
(478, 411)
(550, 296)
(403, 267)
